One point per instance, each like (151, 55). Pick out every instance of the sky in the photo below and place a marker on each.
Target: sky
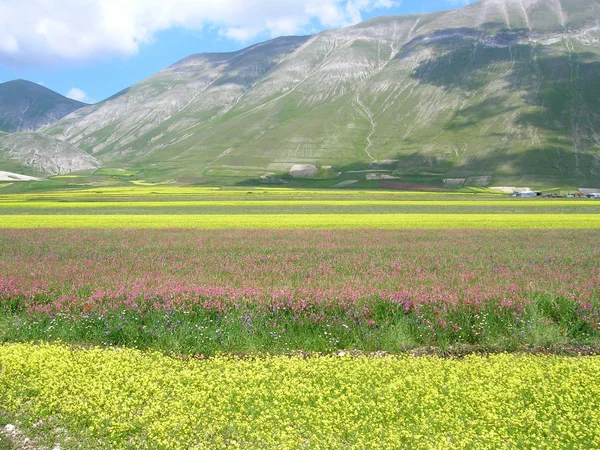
(91, 49)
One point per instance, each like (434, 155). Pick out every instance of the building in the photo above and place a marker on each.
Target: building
(525, 194)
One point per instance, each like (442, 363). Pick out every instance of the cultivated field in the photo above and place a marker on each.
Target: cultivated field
(128, 399)
(205, 318)
(205, 291)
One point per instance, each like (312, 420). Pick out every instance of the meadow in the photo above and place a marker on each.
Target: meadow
(122, 398)
(205, 291)
(167, 317)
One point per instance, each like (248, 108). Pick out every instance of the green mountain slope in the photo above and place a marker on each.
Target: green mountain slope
(29, 106)
(501, 88)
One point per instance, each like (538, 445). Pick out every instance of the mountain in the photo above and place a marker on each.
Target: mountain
(29, 106)
(44, 155)
(500, 88)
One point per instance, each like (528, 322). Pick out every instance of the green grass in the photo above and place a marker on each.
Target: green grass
(546, 322)
(309, 221)
(135, 190)
(119, 173)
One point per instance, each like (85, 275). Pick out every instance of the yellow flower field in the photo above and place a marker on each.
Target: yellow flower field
(118, 398)
(307, 221)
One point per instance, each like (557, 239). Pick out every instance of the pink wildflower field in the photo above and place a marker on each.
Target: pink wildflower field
(304, 272)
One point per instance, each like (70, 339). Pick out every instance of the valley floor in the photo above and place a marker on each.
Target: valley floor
(207, 318)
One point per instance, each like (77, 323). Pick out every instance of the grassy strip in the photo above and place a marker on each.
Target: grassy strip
(133, 209)
(312, 221)
(161, 191)
(545, 322)
(51, 204)
(127, 399)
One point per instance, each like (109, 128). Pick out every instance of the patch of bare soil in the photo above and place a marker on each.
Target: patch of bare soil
(12, 438)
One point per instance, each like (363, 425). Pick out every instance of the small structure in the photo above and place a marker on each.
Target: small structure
(479, 181)
(303, 170)
(525, 194)
(454, 182)
(551, 195)
(377, 176)
(269, 178)
(508, 189)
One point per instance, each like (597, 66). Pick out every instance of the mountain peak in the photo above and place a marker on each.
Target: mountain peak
(25, 105)
(20, 83)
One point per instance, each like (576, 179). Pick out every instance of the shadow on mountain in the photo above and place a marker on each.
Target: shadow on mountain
(557, 88)
(560, 85)
(552, 164)
(473, 114)
(466, 57)
(546, 162)
(568, 97)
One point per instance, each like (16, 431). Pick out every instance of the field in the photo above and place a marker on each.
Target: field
(205, 291)
(170, 317)
(306, 221)
(129, 399)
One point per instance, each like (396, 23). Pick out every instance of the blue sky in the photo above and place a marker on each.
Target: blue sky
(94, 52)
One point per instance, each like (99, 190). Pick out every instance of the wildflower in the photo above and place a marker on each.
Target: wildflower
(306, 407)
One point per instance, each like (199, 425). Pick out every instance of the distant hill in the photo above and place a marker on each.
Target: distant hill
(29, 106)
(507, 89)
(43, 154)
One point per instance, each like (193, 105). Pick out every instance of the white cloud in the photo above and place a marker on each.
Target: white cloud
(78, 94)
(45, 31)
